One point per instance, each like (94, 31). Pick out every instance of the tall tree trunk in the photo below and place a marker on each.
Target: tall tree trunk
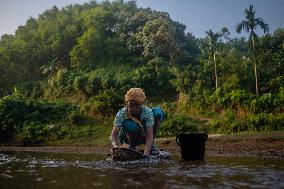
(171, 59)
(215, 70)
(256, 77)
(255, 65)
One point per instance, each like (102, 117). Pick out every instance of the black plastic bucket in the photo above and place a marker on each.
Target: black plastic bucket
(192, 145)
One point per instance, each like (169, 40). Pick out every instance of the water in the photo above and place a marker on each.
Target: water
(50, 170)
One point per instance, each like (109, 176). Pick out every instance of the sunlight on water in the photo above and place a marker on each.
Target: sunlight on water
(50, 170)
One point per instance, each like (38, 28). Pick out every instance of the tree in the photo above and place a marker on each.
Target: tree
(192, 48)
(213, 46)
(250, 25)
(158, 39)
(270, 58)
(51, 68)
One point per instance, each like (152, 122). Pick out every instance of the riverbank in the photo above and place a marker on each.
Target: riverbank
(263, 145)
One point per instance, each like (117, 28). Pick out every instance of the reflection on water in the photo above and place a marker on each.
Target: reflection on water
(49, 170)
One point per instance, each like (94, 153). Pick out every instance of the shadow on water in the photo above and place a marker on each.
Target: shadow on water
(51, 170)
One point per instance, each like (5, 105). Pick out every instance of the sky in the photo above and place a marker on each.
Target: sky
(198, 15)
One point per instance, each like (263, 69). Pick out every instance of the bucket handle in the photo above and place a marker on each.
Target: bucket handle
(177, 140)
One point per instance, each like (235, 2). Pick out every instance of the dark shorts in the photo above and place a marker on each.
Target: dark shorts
(131, 128)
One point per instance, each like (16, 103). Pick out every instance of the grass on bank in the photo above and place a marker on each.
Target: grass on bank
(30, 122)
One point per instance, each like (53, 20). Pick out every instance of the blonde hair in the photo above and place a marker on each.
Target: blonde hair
(135, 94)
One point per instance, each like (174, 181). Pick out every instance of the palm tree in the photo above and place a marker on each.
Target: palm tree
(250, 25)
(213, 46)
(50, 68)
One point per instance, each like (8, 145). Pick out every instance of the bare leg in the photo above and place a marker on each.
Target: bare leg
(156, 126)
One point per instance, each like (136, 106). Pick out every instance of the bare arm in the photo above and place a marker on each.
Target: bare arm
(149, 141)
(113, 137)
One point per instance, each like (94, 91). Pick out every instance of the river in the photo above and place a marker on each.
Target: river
(67, 170)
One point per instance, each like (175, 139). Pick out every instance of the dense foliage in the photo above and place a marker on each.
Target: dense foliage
(31, 118)
(89, 55)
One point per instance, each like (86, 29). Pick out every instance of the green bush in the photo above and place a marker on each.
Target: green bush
(220, 98)
(259, 122)
(79, 83)
(227, 124)
(239, 97)
(106, 77)
(152, 76)
(61, 77)
(11, 114)
(74, 118)
(17, 112)
(31, 89)
(35, 133)
(93, 85)
(107, 101)
(176, 125)
(226, 98)
(277, 122)
(265, 122)
(281, 99)
(264, 103)
(275, 85)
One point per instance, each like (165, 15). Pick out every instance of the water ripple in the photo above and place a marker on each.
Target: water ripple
(166, 173)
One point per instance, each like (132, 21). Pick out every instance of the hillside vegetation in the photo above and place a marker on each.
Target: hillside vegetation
(63, 75)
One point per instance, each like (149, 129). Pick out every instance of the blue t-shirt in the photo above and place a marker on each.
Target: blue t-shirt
(146, 117)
